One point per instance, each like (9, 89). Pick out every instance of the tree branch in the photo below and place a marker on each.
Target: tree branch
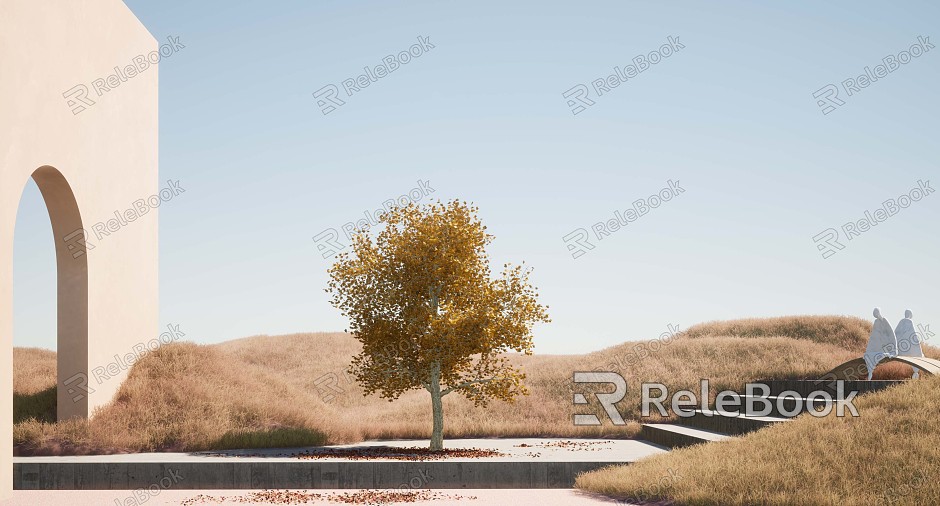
(466, 384)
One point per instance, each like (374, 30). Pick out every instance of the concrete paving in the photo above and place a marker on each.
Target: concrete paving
(555, 497)
(538, 450)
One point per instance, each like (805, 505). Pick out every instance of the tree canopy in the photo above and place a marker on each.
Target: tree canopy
(421, 299)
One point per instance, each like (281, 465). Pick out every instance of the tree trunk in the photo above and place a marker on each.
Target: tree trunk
(437, 408)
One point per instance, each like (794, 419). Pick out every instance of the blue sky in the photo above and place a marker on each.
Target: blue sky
(481, 117)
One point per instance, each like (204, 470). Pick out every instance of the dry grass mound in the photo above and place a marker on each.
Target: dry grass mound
(890, 454)
(288, 390)
(847, 332)
(34, 370)
(34, 392)
(180, 397)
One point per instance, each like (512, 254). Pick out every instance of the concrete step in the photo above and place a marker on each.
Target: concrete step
(711, 425)
(785, 407)
(805, 387)
(728, 423)
(678, 436)
(780, 407)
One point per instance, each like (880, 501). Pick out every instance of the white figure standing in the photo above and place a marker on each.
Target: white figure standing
(908, 340)
(882, 343)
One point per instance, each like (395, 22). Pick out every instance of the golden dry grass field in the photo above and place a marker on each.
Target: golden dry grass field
(889, 454)
(276, 390)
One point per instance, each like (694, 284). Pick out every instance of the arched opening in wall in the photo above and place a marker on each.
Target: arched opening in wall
(50, 300)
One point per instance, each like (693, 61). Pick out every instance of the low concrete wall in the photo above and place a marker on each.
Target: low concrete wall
(298, 475)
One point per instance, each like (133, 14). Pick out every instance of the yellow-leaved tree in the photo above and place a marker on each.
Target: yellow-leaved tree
(421, 300)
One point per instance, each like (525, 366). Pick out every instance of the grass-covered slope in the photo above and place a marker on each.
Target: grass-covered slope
(890, 454)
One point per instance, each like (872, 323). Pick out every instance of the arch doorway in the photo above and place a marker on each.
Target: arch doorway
(72, 293)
